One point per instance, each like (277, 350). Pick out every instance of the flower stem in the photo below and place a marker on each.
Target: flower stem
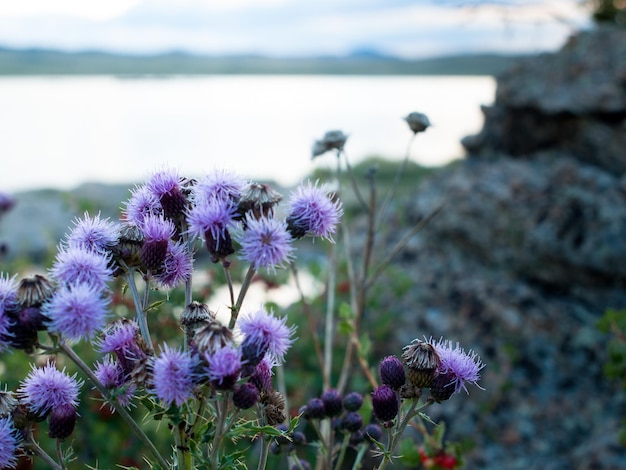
(221, 408)
(265, 450)
(359, 456)
(32, 445)
(69, 352)
(234, 312)
(139, 310)
(342, 453)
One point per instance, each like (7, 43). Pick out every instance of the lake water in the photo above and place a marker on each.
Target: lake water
(62, 131)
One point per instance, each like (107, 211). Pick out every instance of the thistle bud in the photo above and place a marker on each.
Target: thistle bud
(352, 421)
(442, 386)
(385, 404)
(333, 403)
(392, 372)
(61, 421)
(245, 396)
(353, 401)
(314, 409)
(417, 122)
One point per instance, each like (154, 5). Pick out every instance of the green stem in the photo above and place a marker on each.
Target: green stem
(32, 445)
(142, 321)
(342, 453)
(184, 459)
(221, 409)
(242, 294)
(330, 314)
(69, 352)
(359, 456)
(60, 454)
(265, 450)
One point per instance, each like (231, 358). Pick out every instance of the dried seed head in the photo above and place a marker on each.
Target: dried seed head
(274, 408)
(128, 247)
(418, 122)
(8, 403)
(212, 337)
(334, 139)
(421, 355)
(259, 200)
(34, 291)
(195, 316)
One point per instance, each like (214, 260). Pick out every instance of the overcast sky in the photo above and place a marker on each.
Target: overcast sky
(405, 28)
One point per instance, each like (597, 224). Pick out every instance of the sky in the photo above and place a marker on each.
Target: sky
(287, 28)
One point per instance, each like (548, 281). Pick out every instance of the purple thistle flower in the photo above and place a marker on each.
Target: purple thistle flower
(120, 337)
(77, 265)
(141, 204)
(8, 304)
(461, 367)
(214, 216)
(9, 443)
(8, 294)
(266, 243)
(155, 228)
(109, 373)
(261, 377)
(173, 376)
(93, 234)
(264, 332)
(78, 311)
(165, 185)
(177, 266)
(223, 367)
(221, 184)
(46, 388)
(312, 211)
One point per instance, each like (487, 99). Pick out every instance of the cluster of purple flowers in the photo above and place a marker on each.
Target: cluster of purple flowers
(439, 366)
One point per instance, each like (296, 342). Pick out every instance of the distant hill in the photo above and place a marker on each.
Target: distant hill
(52, 62)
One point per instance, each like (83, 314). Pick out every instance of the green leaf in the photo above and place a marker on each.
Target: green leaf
(345, 312)
(154, 305)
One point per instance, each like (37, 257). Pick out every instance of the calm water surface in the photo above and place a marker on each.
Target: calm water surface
(62, 131)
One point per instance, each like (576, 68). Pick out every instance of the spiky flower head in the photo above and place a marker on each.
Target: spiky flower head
(460, 367)
(211, 220)
(93, 234)
(220, 183)
(122, 338)
(157, 233)
(385, 404)
(223, 367)
(9, 443)
(422, 362)
(312, 211)
(109, 372)
(418, 122)
(34, 291)
(78, 311)
(8, 293)
(177, 266)
(392, 372)
(266, 243)
(141, 204)
(263, 332)
(173, 376)
(46, 388)
(166, 186)
(77, 265)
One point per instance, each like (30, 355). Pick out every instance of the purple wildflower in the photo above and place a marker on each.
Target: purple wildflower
(77, 265)
(461, 367)
(77, 311)
(46, 388)
(9, 442)
(120, 337)
(157, 233)
(165, 185)
(312, 211)
(221, 184)
(93, 234)
(173, 376)
(109, 373)
(214, 216)
(8, 294)
(266, 333)
(261, 377)
(223, 367)
(8, 303)
(266, 243)
(141, 204)
(177, 266)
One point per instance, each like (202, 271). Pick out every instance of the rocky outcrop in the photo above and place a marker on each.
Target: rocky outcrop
(526, 255)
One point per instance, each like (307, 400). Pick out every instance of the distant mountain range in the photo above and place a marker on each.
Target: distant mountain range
(361, 62)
